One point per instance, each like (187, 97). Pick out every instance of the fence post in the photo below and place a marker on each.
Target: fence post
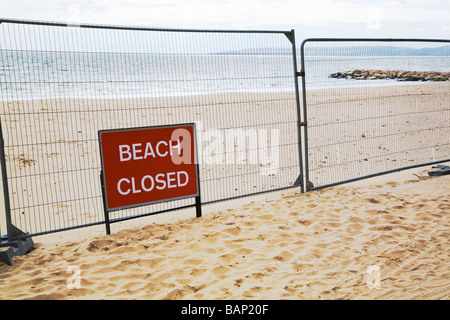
(302, 54)
(9, 229)
(300, 123)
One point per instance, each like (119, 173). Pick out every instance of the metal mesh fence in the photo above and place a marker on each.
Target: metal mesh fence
(374, 106)
(60, 84)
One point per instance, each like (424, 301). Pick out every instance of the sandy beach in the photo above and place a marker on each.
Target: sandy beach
(54, 160)
(324, 244)
(380, 238)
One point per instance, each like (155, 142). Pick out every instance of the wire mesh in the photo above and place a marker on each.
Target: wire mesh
(374, 107)
(60, 84)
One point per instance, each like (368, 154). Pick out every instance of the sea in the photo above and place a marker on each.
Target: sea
(35, 74)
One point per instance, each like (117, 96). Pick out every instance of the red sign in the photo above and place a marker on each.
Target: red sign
(148, 165)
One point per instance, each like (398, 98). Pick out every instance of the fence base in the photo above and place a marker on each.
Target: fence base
(10, 249)
(15, 248)
(443, 170)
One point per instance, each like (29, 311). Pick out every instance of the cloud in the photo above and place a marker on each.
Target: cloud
(192, 12)
(335, 17)
(236, 13)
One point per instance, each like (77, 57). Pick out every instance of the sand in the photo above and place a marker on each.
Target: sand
(358, 131)
(54, 162)
(53, 150)
(381, 238)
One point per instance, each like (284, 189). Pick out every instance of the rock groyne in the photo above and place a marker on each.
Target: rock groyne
(399, 75)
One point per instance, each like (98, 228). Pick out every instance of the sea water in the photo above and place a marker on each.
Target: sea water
(37, 74)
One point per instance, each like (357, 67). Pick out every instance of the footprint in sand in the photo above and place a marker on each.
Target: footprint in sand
(305, 222)
(322, 245)
(354, 228)
(150, 263)
(265, 217)
(283, 256)
(178, 294)
(228, 258)
(234, 231)
(220, 271)
(355, 219)
(392, 184)
(332, 224)
(193, 262)
(124, 249)
(249, 223)
(298, 266)
(100, 245)
(243, 252)
(127, 265)
(211, 237)
(197, 272)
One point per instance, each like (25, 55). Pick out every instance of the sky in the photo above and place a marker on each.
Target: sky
(310, 18)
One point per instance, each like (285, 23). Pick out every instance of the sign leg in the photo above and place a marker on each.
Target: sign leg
(105, 209)
(198, 206)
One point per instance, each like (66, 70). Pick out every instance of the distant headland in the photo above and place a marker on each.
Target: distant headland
(351, 51)
(399, 75)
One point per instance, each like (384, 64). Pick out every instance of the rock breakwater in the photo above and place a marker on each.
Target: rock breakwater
(399, 75)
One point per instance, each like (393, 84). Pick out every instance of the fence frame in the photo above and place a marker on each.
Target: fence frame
(15, 237)
(14, 234)
(307, 182)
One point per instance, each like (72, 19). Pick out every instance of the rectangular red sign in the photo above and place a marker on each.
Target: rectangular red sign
(147, 165)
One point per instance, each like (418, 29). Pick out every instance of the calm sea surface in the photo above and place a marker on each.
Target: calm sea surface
(43, 74)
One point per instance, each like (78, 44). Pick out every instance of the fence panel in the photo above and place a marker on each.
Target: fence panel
(374, 106)
(60, 84)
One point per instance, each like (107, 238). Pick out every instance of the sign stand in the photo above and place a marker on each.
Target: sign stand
(144, 166)
(198, 205)
(198, 201)
(105, 207)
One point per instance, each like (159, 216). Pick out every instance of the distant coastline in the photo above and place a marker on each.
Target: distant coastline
(384, 51)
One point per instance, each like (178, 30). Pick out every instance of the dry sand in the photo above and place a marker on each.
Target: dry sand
(381, 238)
(54, 162)
(282, 245)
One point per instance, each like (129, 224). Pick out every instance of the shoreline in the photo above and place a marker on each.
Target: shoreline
(339, 84)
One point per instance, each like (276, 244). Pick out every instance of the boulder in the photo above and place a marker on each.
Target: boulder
(399, 75)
